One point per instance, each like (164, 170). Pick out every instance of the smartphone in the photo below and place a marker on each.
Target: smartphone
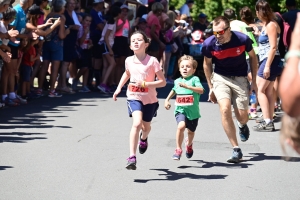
(54, 19)
(249, 29)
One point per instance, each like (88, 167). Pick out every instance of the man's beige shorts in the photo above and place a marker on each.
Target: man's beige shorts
(235, 88)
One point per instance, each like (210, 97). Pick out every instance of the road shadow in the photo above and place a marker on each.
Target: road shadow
(18, 137)
(5, 167)
(263, 156)
(205, 164)
(174, 176)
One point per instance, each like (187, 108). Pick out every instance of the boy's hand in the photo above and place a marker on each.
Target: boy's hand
(167, 105)
(183, 85)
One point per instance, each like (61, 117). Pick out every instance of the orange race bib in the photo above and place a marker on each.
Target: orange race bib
(184, 100)
(138, 90)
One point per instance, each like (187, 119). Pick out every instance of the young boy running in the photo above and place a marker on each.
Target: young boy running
(187, 89)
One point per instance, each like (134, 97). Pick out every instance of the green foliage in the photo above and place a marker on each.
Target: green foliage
(214, 8)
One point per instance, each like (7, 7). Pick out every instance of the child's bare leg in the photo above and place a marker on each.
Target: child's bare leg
(146, 128)
(180, 134)
(134, 132)
(191, 136)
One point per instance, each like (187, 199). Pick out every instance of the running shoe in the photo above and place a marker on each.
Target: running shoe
(85, 89)
(103, 88)
(74, 84)
(20, 100)
(131, 163)
(244, 133)
(143, 145)
(264, 127)
(39, 92)
(252, 115)
(189, 149)
(177, 154)
(236, 156)
(54, 94)
(10, 102)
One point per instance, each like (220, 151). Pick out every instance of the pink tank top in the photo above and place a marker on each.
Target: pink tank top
(124, 31)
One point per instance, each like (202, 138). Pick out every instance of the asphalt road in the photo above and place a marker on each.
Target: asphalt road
(75, 147)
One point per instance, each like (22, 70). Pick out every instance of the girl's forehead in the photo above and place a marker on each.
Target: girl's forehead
(136, 35)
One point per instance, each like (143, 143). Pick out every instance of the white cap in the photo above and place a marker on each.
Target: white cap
(145, 16)
(124, 6)
(98, 1)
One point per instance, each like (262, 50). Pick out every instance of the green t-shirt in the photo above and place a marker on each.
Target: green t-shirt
(191, 111)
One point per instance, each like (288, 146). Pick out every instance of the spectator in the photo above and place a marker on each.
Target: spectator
(96, 28)
(42, 4)
(106, 43)
(154, 29)
(291, 15)
(69, 50)
(185, 9)
(202, 23)
(121, 40)
(53, 48)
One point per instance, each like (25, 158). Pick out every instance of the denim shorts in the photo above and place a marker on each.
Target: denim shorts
(168, 48)
(53, 50)
(275, 69)
(149, 110)
(189, 124)
(26, 72)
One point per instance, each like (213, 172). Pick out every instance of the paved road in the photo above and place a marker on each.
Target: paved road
(76, 147)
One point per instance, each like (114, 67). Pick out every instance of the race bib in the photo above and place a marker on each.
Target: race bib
(137, 90)
(125, 32)
(184, 100)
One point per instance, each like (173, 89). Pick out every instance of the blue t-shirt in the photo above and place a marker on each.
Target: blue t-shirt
(97, 18)
(229, 58)
(19, 22)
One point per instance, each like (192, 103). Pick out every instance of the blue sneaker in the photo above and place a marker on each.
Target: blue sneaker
(236, 156)
(131, 164)
(177, 154)
(244, 133)
(143, 145)
(189, 149)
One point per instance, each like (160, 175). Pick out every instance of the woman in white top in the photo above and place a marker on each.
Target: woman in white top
(106, 43)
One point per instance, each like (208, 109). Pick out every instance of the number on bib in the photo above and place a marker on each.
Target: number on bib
(137, 90)
(184, 100)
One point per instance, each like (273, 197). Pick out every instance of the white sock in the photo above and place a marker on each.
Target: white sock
(71, 80)
(12, 95)
(4, 97)
(267, 121)
(240, 125)
(236, 147)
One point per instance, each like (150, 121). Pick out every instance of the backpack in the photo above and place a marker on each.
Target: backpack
(287, 32)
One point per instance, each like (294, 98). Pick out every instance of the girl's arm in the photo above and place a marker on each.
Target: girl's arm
(82, 38)
(272, 34)
(5, 48)
(125, 77)
(34, 58)
(106, 39)
(63, 31)
(161, 82)
(121, 25)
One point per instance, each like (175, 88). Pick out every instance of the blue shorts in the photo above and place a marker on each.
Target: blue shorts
(274, 68)
(53, 51)
(25, 72)
(149, 110)
(189, 124)
(168, 48)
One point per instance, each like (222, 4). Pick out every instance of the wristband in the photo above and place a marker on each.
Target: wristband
(292, 53)
(143, 84)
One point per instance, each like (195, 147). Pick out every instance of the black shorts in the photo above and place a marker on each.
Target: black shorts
(14, 51)
(96, 52)
(103, 49)
(86, 59)
(149, 110)
(121, 46)
(189, 124)
(154, 46)
(25, 72)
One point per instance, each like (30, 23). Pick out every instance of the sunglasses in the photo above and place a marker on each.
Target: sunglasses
(220, 32)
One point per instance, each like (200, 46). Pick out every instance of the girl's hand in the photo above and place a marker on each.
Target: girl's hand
(118, 90)
(57, 22)
(49, 21)
(136, 22)
(111, 53)
(139, 83)
(167, 105)
(6, 57)
(86, 30)
(266, 72)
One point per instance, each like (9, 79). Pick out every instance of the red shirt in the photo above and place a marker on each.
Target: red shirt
(26, 56)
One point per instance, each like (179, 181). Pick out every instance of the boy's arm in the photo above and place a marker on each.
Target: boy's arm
(196, 89)
(167, 101)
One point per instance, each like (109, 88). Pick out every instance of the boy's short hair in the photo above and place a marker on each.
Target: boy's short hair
(187, 57)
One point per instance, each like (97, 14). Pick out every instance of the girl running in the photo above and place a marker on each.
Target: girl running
(142, 102)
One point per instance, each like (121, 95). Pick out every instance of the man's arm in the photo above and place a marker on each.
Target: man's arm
(253, 66)
(207, 66)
